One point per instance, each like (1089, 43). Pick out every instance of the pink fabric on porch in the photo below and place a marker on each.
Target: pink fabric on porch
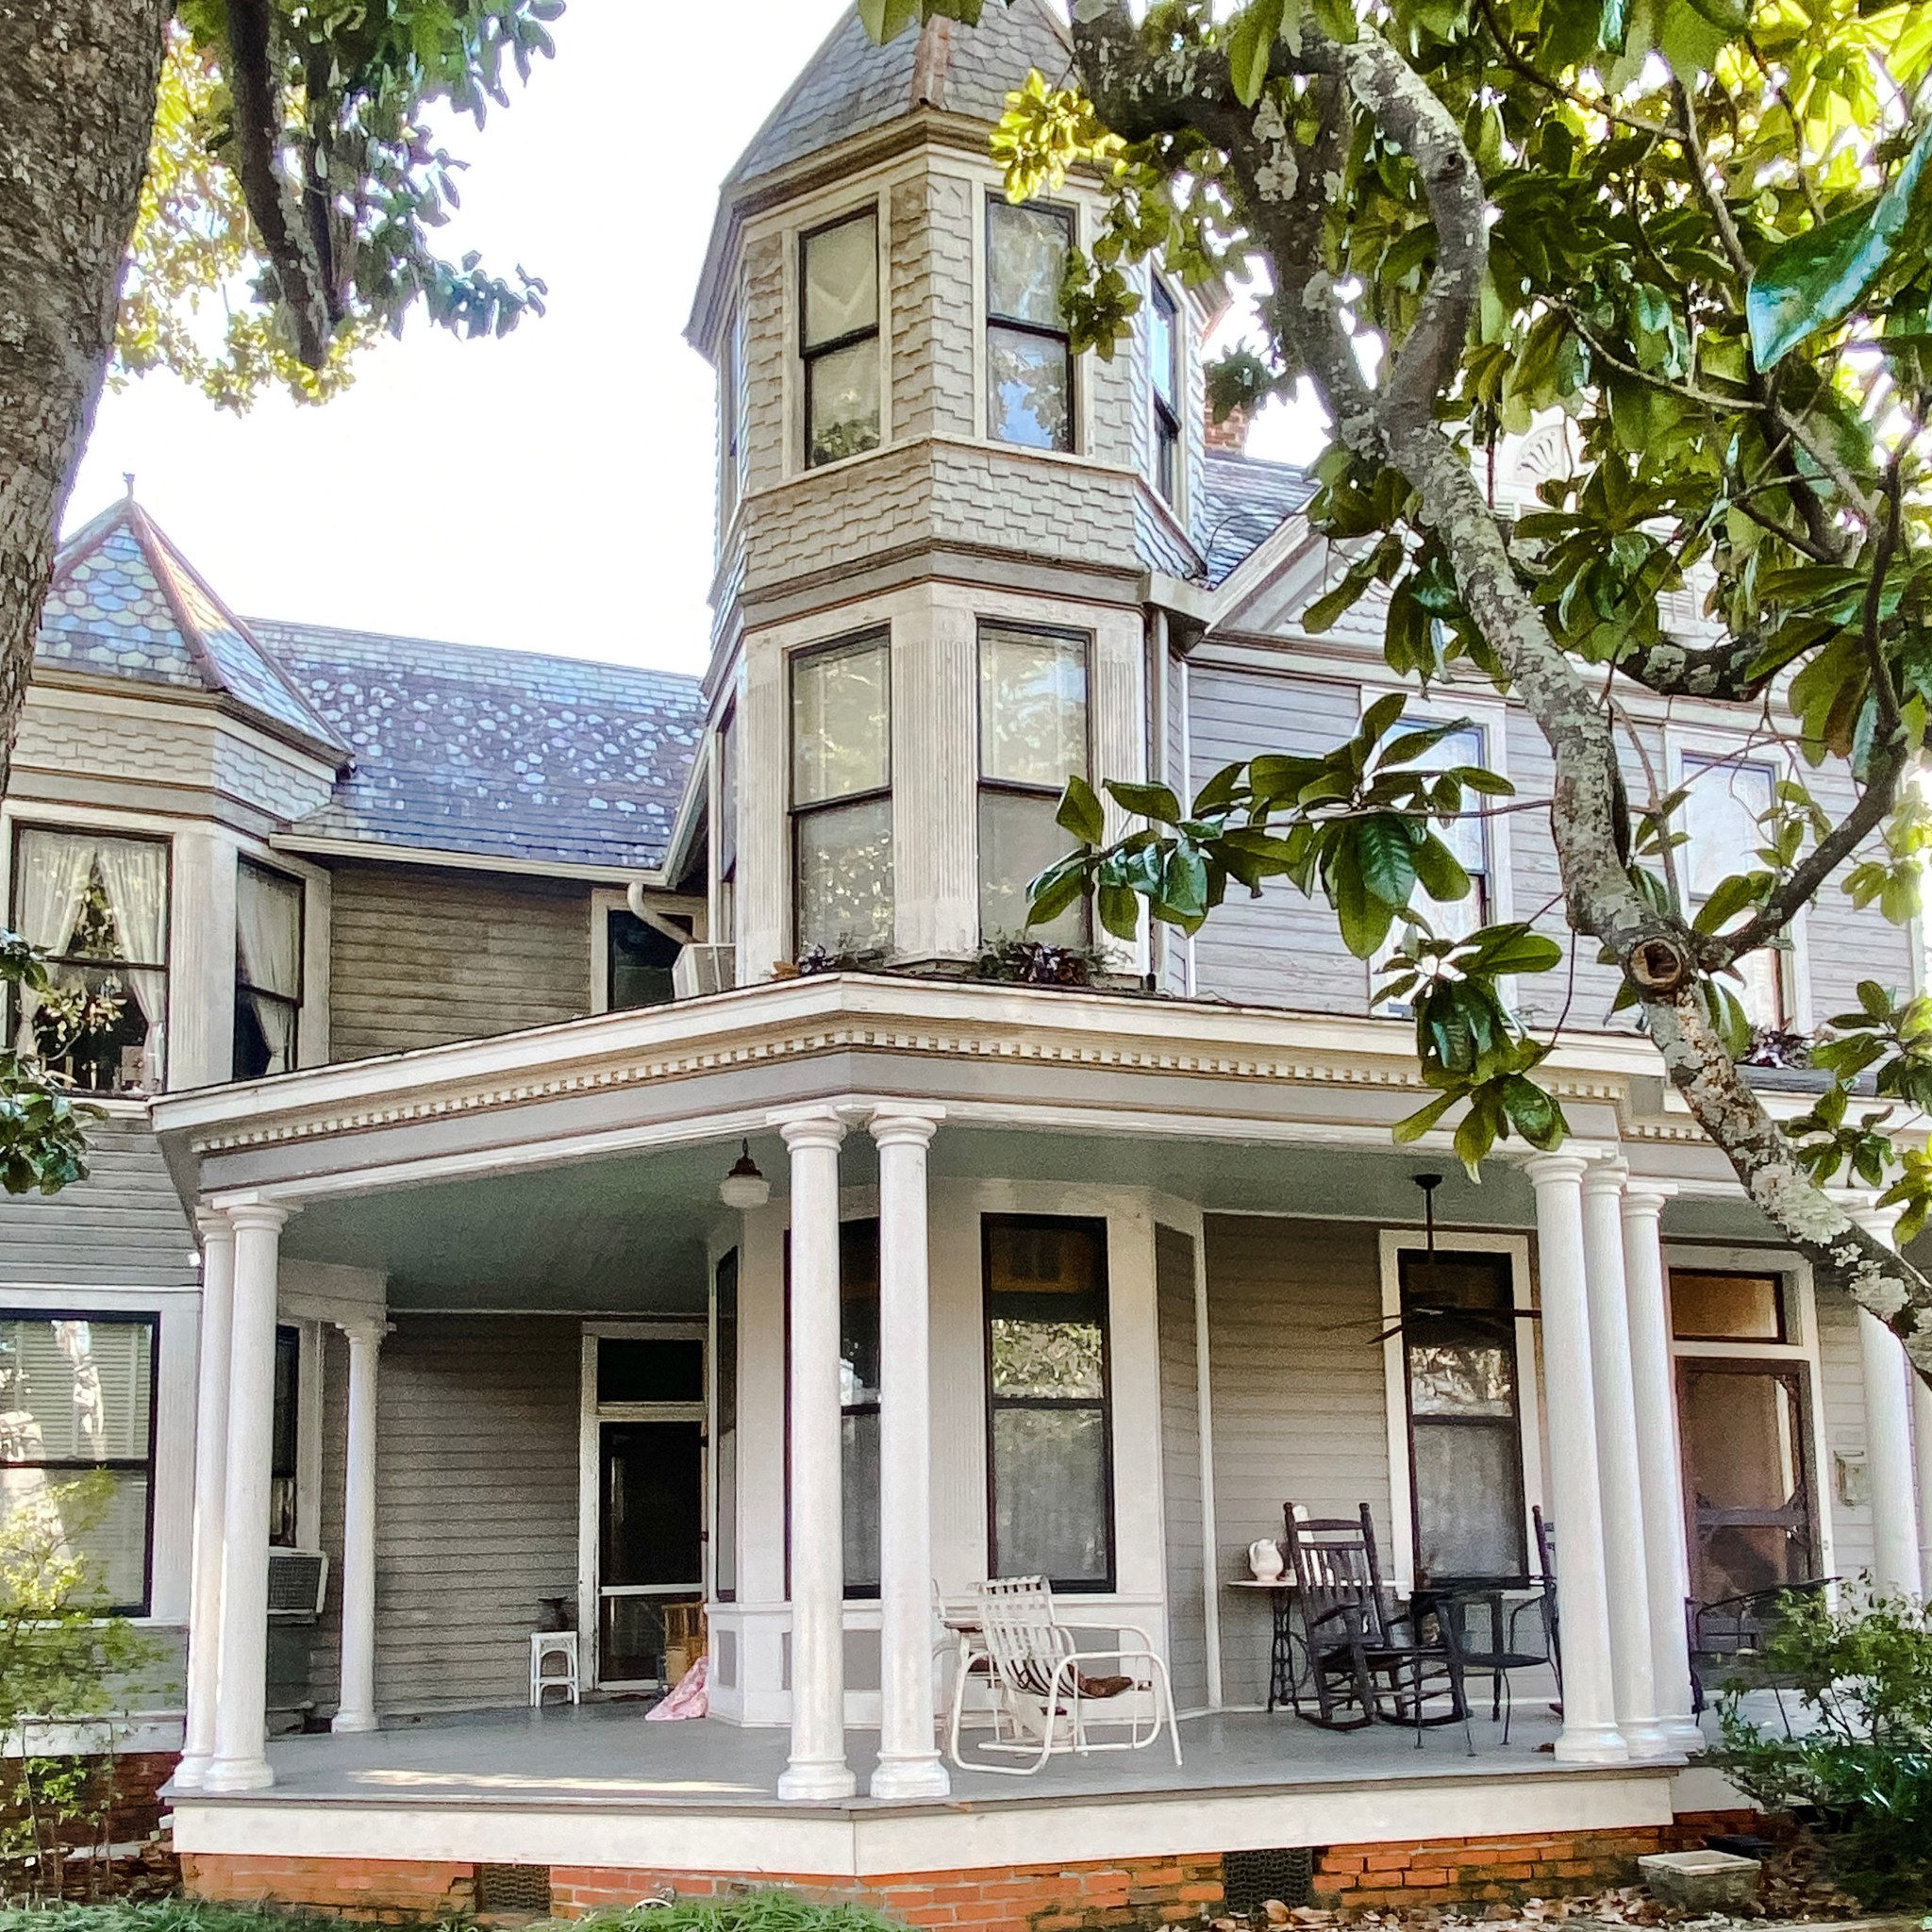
(691, 1698)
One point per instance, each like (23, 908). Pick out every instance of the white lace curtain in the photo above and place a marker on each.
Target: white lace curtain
(268, 941)
(55, 868)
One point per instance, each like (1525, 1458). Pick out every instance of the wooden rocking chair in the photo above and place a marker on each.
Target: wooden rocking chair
(1044, 1699)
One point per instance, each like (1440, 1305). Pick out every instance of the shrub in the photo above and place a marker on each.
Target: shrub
(770, 1910)
(1860, 1753)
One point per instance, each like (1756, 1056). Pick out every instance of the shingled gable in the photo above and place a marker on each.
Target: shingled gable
(125, 603)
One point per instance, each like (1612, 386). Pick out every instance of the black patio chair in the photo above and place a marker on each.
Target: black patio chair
(1546, 1565)
(1496, 1626)
(1369, 1661)
(1732, 1635)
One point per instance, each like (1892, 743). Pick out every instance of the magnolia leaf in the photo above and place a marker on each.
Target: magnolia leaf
(1251, 39)
(1145, 801)
(1080, 812)
(884, 20)
(1386, 856)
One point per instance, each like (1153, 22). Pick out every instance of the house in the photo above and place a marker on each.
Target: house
(622, 1196)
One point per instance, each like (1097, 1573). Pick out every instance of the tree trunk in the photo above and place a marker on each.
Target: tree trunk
(77, 81)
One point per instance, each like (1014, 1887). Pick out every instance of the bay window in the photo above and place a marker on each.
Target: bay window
(1032, 738)
(98, 908)
(838, 337)
(1725, 803)
(1029, 356)
(1164, 359)
(1049, 1422)
(841, 798)
(77, 1442)
(268, 970)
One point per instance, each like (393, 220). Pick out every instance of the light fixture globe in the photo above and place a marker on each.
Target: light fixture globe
(745, 1187)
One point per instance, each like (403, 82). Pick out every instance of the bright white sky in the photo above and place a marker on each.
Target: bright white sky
(551, 490)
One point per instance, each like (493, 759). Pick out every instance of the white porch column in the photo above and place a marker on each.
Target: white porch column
(1590, 1734)
(210, 1475)
(817, 1768)
(1666, 1558)
(1888, 1377)
(240, 1763)
(356, 1700)
(1625, 1573)
(909, 1765)
(1922, 1446)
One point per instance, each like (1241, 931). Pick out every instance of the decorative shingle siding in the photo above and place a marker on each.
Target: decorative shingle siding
(122, 1227)
(419, 957)
(932, 228)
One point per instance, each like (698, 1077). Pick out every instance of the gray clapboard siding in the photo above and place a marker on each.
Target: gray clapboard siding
(418, 957)
(1180, 1465)
(476, 1504)
(1297, 1395)
(124, 1226)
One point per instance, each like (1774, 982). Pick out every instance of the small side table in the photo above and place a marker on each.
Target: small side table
(1288, 1652)
(544, 1645)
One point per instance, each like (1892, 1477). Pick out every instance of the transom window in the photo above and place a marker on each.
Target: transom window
(77, 1442)
(838, 337)
(98, 908)
(268, 970)
(1049, 1422)
(1032, 738)
(1714, 1306)
(1029, 358)
(1164, 359)
(1725, 803)
(841, 798)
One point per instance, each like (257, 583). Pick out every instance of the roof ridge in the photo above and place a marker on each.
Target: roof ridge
(302, 628)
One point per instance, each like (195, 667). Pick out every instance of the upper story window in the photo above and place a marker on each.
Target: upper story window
(730, 365)
(841, 798)
(838, 337)
(1467, 837)
(1030, 359)
(98, 908)
(726, 930)
(638, 961)
(77, 1442)
(268, 970)
(1164, 361)
(1725, 804)
(1032, 738)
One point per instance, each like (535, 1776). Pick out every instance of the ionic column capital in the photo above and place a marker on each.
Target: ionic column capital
(213, 1224)
(801, 1127)
(905, 1123)
(266, 1217)
(1606, 1175)
(1564, 1168)
(1644, 1197)
(367, 1331)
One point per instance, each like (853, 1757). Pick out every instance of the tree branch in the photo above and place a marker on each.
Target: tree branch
(1721, 671)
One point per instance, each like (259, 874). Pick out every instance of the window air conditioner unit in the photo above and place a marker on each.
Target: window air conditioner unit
(297, 1582)
(699, 970)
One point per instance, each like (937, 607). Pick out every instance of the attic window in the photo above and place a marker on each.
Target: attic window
(1030, 359)
(1164, 358)
(838, 337)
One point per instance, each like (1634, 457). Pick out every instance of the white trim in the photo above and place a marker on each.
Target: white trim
(309, 843)
(1396, 1242)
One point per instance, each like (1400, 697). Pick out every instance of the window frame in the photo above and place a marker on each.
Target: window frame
(727, 785)
(1109, 1583)
(1014, 788)
(1396, 1242)
(246, 861)
(730, 431)
(70, 1467)
(808, 357)
(877, 636)
(1069, 216)
(1167, 418)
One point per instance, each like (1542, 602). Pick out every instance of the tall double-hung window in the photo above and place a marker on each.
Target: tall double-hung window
(98, 908)
(1725, 803)
(1029, 358)
(268, 970)
(1032, 738)
(838, 337)
(1164, 361)
(842, 796)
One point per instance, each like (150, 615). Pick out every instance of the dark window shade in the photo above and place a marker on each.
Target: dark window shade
(650, 1369)
(640, 960)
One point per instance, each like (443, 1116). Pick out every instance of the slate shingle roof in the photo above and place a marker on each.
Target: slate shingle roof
(126, 603)
(496, 753)
(851, 86)
(1243, 501)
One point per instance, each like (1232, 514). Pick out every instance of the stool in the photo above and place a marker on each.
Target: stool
(546, 1644)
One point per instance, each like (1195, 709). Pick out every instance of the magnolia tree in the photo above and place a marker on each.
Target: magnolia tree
(1695, 228)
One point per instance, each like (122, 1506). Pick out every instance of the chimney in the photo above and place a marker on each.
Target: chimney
(1230, 436)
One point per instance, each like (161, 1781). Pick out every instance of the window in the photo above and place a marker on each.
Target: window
(1164, 358)
(838, 337)
(268, 970)
(1029, 361)
(1458, 1344)
(1050, 1458)
(285, 1464)
(98, 908)
(727, 828)
(641, 959)
(1707, 1305)
(724, 1437)
(841, 798)
(1032, 738)
(76, 1407)
(730, 455)
(1467, 837)
(1724, 807)
(859, 1400)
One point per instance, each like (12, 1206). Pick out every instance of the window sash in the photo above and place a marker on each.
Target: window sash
(1011, 321)
(816, 777)
(1164, 354)
(814, 350)
(1730, 838)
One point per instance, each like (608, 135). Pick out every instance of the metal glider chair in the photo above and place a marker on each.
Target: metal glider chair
(1045, 1694)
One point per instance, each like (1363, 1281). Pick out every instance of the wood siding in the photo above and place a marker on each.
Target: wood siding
(1840, 1395)
(418, 957)
(1180, 1465)
(1297, 1398)
(124, 1226)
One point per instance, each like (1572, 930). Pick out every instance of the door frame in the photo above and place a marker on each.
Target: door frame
(591, 1417)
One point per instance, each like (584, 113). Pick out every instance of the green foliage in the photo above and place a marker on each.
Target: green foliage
(43, 1132)
(768, 1910)
(1862, 1755)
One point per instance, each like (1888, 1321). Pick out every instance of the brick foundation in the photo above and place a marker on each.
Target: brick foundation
(135, 1812)
(1142, 1893)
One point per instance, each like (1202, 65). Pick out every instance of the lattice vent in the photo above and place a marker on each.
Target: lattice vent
(1252, 1879)
(513, 1889)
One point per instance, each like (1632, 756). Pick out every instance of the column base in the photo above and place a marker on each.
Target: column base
(354, 1721)
(828, 1778)
(191, 1773)
(1591, 1745)
(1645, 1739)
(901, 1778)
(227, 1776)
(1684, 1735)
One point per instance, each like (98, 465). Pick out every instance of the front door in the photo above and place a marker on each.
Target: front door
(644, 1453)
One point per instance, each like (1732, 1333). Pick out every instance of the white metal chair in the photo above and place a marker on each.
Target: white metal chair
(1044, 1698)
